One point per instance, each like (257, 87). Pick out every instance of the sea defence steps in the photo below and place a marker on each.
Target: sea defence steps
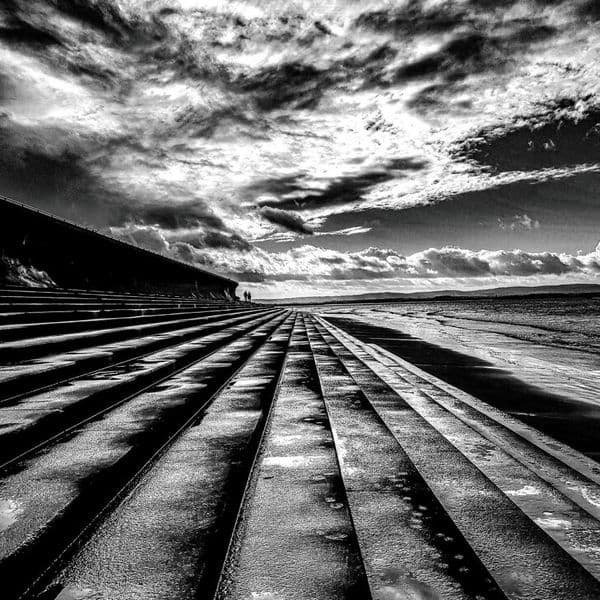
(164, 447)
(38, 248)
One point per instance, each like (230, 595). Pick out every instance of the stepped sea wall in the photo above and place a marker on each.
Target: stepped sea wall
(39, 249)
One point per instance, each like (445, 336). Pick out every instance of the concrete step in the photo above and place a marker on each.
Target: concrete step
(410, 544)
(294, 537)
(499, 499)
(26, 377)
(33, 421)
(14, 332)
(25, 292)
(189, 499)
(268, 454)
(78, 304)
(53, 315)
(36, 347)
(64, 489)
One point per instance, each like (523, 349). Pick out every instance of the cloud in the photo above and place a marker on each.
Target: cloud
(294, 85)
(413, 17)
(15, 30)
(178, 215)
(199, 128)
(308, 262)
(441, 98)
(289, 236)
(519, 223)
(211, 239)
(565, 133)
(293, 193)
(50, 169)
(475, 52)
(181, 244)
(286, 219)
(356, 230)
(590, 9)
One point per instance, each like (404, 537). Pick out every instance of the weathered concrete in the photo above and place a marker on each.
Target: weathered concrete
(72, 256)
(252, 453)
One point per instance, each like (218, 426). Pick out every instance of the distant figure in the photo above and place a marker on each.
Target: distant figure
(245, 296)
(249, 297)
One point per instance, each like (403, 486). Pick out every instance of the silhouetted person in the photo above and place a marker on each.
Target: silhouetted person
(249, 297)
(245, 296)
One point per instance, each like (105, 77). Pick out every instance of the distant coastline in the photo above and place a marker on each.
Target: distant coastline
(578, 289)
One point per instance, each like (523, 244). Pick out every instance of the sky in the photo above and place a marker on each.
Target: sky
(309, 147)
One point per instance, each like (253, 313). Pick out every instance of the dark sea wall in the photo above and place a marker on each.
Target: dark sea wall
(39, 249)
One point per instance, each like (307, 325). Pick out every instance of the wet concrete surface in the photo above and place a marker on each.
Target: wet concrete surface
(66, 486)
(410, 546)
(37, 418)
(28, 376)
(169, 536)
(369, 478)
(294, 538)
(576, 530)
(573, 423)
(10, 332)
(530, 564)
(33, 347)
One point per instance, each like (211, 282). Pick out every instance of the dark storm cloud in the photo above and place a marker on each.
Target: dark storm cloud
(342, 190)
(589, 10)
(59, 179)
(297, 85)
(413, 17)
(67, 183)
(233, 241)
(147, 40)
(191, 246)
(16, 31)
(294, 85)
(98, 14)
(440, 97)
(177, 224)
(177, 215)
(214, 239)
(286, 219)
(555, 137)
(27, 25)
(103, 17)
(476, 52)
(27, 21)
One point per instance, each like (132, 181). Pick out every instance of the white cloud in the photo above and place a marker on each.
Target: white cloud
(519, 223)
(310, 262)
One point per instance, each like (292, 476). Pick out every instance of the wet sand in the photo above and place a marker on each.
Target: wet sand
(565, 419)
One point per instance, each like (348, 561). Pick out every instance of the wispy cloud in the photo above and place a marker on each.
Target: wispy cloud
(285, 219)
(519, 223)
